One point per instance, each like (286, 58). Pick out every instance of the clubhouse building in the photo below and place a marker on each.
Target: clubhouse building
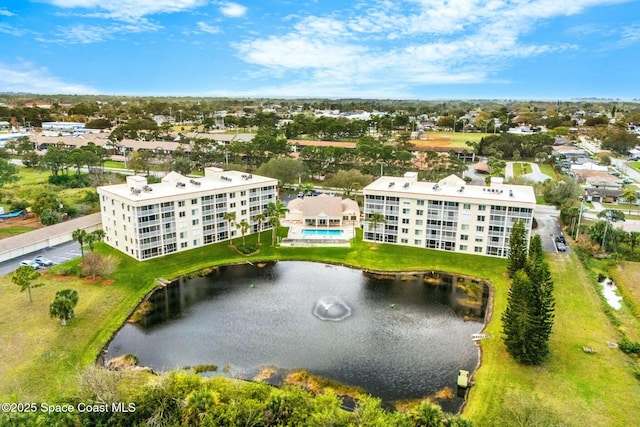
(180, 213)
(448, 215)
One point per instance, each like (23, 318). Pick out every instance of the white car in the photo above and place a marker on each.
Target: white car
(29, 263)
(42, 261)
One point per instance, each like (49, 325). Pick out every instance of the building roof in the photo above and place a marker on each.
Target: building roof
(603, 192)
(303, 142)
(452, 189)
(174, 184)
(322, 205)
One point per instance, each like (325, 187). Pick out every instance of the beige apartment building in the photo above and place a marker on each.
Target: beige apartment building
(180, 213)
(447, 215)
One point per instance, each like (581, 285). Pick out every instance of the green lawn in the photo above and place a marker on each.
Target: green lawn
(41, 359)
(457, 139)
(14, 231)
(583, 389)
(547, 169)
(520, 168)
(114, 164)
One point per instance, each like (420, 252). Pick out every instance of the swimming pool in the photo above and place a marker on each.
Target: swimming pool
(313, 232)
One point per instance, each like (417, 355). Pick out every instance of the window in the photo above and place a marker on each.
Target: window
(232, 205)
(196, 242)
(417, 242)
(404, 231)
(419, 222)
(405, 220)
(463, 247)
(195, 221)
(194, 201)
(480, 228)
(182, 214)
(479, 239)
(183, 234)
(420, 202)
(181, 203)
(464, 227)
(477, 249)
(406, 211)
(464, 237)
(418, 232)
(420, 212)
(482, 207)
(466, 206)
(243, 193)
(404, 241)
(194, 212)
(480, 218)
(183, 245)
(232, 195)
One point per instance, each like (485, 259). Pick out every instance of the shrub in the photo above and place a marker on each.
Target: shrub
(18, 205)
(629, 347)
(247, 248)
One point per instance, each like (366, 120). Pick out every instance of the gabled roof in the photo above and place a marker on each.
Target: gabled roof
(322, 206)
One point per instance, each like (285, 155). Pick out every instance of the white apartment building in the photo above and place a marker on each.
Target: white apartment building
(448, 215)
(151, 220)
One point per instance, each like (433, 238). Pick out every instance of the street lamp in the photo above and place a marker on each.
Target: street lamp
(382, 165)
(579, 218)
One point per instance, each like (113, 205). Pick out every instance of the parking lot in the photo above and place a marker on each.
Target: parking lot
(57, 254)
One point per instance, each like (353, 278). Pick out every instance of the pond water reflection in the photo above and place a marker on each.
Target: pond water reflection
(398, 337)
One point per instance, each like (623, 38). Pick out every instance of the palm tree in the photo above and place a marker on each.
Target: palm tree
(90, 239)
(275, 223)
(259, 219)
(79, 236)
(230, 217)
(275, 211)
(243, 226)
(374, 219)
(630, 196)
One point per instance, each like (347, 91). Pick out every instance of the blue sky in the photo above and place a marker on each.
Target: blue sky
(399, 49)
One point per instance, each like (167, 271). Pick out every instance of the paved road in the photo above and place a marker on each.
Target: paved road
(57, 254)
(548, 226)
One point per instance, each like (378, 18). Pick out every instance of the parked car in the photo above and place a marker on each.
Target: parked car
(30, 263)
(561, 246)
(560, 239)
(627, 181)
(42, 261)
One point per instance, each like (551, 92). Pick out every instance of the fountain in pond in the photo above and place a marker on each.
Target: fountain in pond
(331, 308)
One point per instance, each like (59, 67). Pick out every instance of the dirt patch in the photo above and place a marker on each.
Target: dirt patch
(33, 222)
(432, 142)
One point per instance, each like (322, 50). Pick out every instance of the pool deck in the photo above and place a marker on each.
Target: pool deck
(296, 238)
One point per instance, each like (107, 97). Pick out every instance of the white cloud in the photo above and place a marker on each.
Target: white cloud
(86, 34)
(396, 44)
(25, 77)
(14, 31)
(5, 12)
(207, 28)
(129, 10)
(233, 10)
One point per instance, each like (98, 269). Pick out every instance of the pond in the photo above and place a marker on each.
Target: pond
(399, 336)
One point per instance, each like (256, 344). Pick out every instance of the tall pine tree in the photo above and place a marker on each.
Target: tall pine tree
(528, 319)
(517, 248)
